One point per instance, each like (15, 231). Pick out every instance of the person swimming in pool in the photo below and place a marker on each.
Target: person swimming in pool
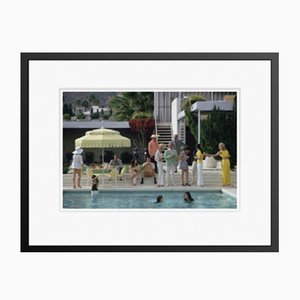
(159, 199)
(187, 197)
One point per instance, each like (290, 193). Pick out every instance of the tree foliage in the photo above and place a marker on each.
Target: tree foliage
(125, 105)
(221, 126)
(95, 116)
(190, 117)
(80, 115)
(142, 115)
(85, 104)
(66, 117)
(142, 129)
(94, 100)
(67, 109)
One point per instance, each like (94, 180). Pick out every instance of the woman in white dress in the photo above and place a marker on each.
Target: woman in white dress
(200, 155)
(77, 165)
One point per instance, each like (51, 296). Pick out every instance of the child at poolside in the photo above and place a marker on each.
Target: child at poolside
(187, 197)
(95, 185)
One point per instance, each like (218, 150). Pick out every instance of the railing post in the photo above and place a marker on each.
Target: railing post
(155, 121)
(199, 126)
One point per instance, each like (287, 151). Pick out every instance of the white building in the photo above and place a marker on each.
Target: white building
(170, 118)
(102, 110)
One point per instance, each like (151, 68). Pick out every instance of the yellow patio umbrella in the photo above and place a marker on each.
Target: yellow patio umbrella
(102, 138)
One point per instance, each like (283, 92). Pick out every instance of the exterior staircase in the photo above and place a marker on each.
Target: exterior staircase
(164, 131)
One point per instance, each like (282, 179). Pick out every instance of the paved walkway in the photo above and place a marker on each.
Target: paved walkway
(212, 181)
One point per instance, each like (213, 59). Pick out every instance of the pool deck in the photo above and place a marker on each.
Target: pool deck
(212, 180)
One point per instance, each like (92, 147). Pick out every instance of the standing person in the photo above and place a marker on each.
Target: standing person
(152, 148)
(160, 165)
(134, 171)
(183, 166)
(95, 185)
(171, 161)
(194, 167)
(77, 165)
(116, 163)
(199, 157)
(223, 152)
(177, 144)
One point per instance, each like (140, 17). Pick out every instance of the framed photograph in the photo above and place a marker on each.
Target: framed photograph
(149, 152)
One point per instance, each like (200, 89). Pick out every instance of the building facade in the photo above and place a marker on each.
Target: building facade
(163, 101)
(170, 117)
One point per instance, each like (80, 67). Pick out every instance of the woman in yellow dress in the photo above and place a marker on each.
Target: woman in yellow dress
(223, 152)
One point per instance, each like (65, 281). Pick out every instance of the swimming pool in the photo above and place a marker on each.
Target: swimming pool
(146, 199)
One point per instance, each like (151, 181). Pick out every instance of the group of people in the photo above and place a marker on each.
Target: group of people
(177, 154)
(157, 157)
(147, 170)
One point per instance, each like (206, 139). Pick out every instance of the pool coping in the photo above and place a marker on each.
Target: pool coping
(148, 189)
(230, 191)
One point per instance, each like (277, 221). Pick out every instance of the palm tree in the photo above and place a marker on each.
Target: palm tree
(127, 103)
(94, 100)
(121, 107)
(85, 104)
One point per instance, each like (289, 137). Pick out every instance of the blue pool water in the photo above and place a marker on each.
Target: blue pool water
(146, 199)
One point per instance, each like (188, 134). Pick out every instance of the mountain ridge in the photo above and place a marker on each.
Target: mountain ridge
(73, 97)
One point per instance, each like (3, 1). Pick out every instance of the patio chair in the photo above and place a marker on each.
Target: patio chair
(123, 174)
(112, 175)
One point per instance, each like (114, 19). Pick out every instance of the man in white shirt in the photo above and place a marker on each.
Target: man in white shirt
(170, 156)
(116, 163)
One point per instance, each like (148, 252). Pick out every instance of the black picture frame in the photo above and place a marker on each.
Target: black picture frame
(273, 58)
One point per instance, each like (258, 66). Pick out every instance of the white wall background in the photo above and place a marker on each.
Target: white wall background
(153, 26)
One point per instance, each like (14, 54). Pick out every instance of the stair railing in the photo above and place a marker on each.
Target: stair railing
(155, 121)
